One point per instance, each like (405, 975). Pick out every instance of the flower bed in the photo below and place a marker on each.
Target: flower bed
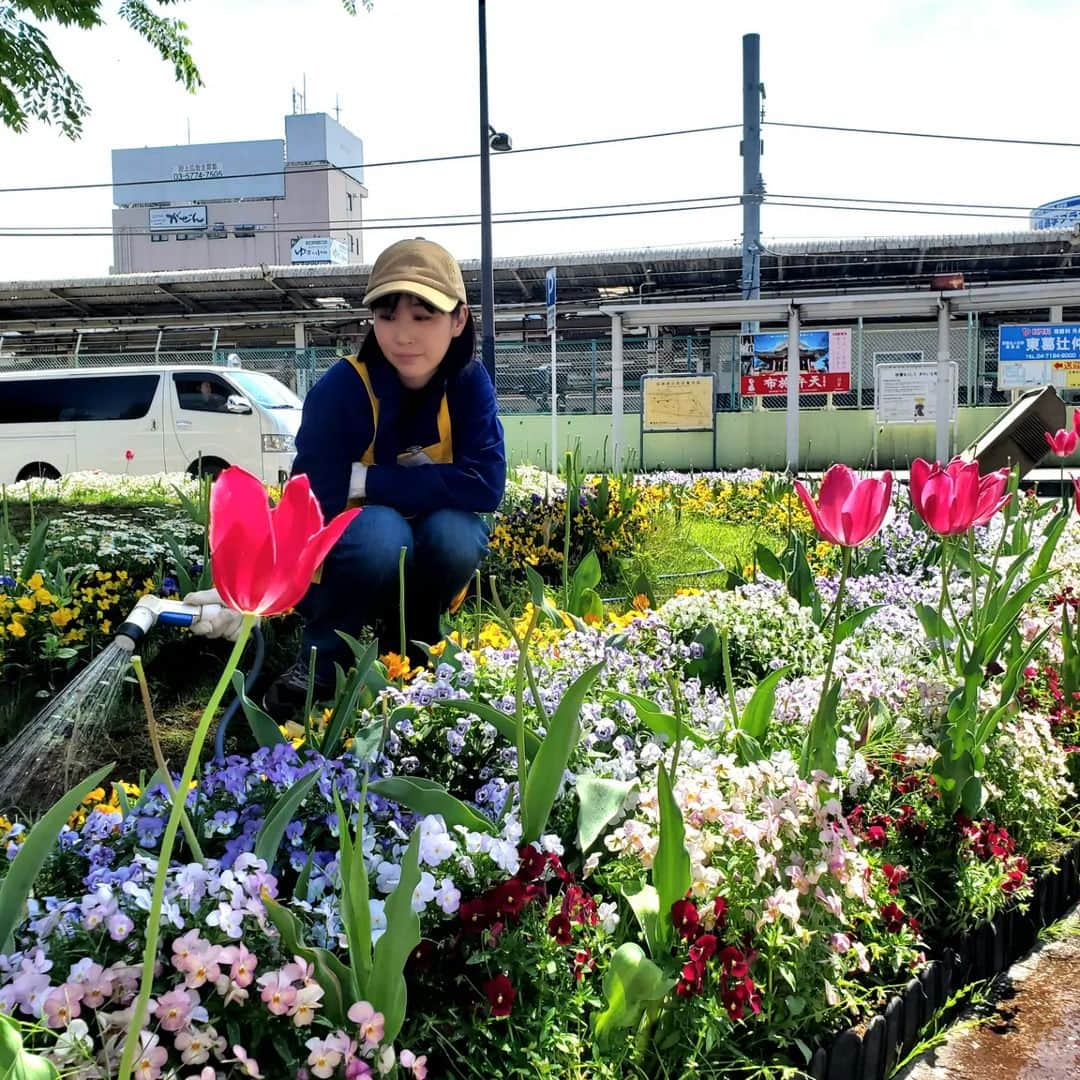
(708, 874)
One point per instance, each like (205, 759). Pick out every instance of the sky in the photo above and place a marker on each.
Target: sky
(405, 76)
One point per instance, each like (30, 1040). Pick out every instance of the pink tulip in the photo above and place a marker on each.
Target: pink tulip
(1076, 493)
(952, 499)
(1076, 421)
(1062, 442)
(264, 558)
(849, 511)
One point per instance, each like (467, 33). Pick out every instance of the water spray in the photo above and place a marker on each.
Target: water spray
(151, 610)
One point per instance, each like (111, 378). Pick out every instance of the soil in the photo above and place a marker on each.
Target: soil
(1032, 1031)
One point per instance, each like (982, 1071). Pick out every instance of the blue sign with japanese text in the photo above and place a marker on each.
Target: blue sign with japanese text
(1039, 341)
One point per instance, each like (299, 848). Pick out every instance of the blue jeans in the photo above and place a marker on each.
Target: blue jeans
(359, 585)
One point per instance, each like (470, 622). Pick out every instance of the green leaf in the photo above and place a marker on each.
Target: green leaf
(632, 982)
(768, 563)
(426, 797)
(536, 587)
(35, 551)
(33, 852)
(505, 725)
(819, 749)
(330, 973)
(933, 623)
(645, 904)
(268, 838)
(122, 799)
(759, 709)
(346, 704)
(1052, 535)
(854, 621)
(659, 723)
(17, 1063)
(386, 987)
(265, 730)
(545, 775)
(355, 908)
(671, 866)
(600, 802)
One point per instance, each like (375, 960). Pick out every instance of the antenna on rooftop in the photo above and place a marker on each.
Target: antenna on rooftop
(337, 108)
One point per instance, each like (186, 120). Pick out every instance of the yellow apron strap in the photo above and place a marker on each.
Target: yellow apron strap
(442, 452)
(368, 456)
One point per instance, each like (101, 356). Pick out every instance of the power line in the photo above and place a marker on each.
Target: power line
(424, 225)
(416, 219)
(380, 164)
(922, 134)
(510, 217)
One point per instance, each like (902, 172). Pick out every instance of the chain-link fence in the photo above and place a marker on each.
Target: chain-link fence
(583, 366)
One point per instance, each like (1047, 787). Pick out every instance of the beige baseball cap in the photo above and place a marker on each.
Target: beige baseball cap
(420, 268)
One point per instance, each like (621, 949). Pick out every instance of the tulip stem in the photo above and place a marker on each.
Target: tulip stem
(973, 570)
(845, 567)
(153, 921)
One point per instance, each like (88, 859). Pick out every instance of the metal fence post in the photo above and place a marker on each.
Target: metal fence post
(592, 352)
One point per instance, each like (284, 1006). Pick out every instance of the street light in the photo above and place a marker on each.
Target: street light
(490, 139)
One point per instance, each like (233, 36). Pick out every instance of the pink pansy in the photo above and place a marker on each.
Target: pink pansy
(323, 1058)
(248, 1065)
(151, 1059)
(307, 1001)
(194, 1046)
(408, 1060)
(368, 1021)
(242, 964)
(174, 1009)
(61, 1006)
(278, 992)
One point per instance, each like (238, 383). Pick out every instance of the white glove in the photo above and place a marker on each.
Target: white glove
(222, 623)
(414, 457)
(358, 481)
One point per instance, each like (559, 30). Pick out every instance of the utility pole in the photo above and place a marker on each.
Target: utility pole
(487, 281)
(753, 187)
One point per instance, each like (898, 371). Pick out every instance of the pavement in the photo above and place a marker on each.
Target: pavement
(1030, 1028)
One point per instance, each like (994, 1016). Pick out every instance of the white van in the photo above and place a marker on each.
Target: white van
(146, 420)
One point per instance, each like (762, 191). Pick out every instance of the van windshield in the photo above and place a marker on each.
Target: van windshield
(265, 390)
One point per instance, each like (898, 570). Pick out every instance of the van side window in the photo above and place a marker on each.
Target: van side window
(89, 397)
(200, 392)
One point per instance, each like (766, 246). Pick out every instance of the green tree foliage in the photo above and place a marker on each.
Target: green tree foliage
(34, 84)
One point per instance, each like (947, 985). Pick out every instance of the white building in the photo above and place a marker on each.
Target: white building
(264, 202)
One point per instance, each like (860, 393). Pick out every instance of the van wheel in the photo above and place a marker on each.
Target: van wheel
(209, 467)
(38, 469)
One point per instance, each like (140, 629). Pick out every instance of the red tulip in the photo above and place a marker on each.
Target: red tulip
(264, 558)
(849, 511)
(1062, 442)
(952, 499)
(129, 455)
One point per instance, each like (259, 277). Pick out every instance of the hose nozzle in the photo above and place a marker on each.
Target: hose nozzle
(152, 609)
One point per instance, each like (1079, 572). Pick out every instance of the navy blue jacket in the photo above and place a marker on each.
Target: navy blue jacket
(336, 429)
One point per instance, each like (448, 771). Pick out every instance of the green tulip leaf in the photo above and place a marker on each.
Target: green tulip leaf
(265, 730)
(426, 797)
(268, 838)
(671, 866)
(631, 983)
(545, 775)
(16, 1062)
(600, 802)
(33, 852)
